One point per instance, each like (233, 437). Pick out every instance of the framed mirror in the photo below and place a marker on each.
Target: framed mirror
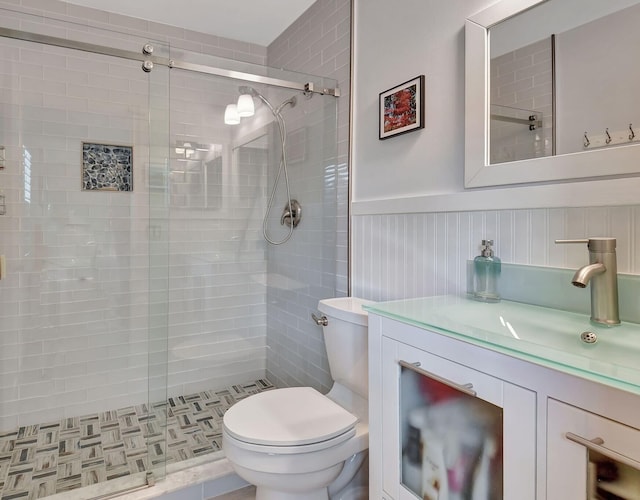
(552, 92)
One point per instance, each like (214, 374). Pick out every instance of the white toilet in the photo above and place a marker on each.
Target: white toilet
(297, 444)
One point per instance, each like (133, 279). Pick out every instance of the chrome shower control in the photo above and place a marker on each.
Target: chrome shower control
(293, 216)
(589, 337)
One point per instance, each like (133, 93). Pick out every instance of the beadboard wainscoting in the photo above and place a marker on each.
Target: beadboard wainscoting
(422, 254)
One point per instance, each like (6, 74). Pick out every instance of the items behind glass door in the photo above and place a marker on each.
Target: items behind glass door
(451, 441)
(611, 480)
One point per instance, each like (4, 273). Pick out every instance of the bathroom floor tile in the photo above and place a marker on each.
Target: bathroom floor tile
(39, 460)
(248, 493)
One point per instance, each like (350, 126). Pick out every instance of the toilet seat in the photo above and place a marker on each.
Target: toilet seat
(294, 420)
(289, 450)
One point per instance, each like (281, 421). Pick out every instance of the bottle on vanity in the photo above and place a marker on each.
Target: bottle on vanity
(486, 269)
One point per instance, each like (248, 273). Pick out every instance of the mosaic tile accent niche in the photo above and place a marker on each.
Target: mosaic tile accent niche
(107, 167)
(43, 459)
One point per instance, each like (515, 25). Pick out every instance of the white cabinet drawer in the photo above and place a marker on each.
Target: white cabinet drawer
(573, 462)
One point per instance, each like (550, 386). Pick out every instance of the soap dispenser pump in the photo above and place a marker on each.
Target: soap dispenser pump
(486, 268)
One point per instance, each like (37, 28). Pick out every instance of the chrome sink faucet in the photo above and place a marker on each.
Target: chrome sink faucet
(602, 273)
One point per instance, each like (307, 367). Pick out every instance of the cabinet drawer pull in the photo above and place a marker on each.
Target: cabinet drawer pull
(595, 444)
(466, 388)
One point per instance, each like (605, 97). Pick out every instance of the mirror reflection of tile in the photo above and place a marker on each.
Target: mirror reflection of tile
(107, 167)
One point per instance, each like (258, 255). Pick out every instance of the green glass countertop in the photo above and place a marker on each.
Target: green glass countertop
(549, 337)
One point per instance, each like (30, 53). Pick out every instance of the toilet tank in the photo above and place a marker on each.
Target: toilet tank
(345, 337)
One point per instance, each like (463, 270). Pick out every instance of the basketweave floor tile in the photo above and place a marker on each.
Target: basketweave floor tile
(39, 460)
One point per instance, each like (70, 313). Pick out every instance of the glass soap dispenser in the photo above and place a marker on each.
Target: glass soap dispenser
(486, 269)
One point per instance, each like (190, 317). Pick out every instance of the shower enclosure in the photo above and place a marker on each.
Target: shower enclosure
(139, 299)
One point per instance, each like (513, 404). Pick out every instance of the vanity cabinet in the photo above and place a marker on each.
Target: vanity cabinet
(530, 452)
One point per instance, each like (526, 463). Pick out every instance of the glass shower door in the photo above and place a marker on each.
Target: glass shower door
(233, 296)
(74, 321)
(154, 424)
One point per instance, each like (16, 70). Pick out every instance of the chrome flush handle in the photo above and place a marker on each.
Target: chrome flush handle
(321, 321)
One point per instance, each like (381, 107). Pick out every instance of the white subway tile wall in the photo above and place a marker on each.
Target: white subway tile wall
(313, 265)
(62, 352)
(74, 302)
(424, 254)
(74, 299)
(82, 17)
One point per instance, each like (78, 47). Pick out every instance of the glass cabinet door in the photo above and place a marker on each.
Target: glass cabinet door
(440, 441)
(451, 440)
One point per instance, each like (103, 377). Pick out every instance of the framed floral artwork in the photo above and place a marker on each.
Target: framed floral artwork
(402, 108)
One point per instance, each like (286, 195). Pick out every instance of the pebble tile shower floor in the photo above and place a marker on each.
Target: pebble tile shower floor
(40, 460)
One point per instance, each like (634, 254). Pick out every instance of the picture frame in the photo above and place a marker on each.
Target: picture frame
(107, 167)
(401, 108)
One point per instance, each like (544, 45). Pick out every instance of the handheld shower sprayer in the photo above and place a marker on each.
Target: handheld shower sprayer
(282, 168)
(246, 90)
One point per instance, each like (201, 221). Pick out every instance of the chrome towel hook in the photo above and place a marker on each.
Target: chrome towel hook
(632, 134)
(587, 142)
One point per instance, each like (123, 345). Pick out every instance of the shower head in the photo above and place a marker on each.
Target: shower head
(292, 101)
(244, 89)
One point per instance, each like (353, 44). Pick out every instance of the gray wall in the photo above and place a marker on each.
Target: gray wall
(317, 43)
(403, 252)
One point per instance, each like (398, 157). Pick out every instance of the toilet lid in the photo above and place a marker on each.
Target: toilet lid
(287, 417)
